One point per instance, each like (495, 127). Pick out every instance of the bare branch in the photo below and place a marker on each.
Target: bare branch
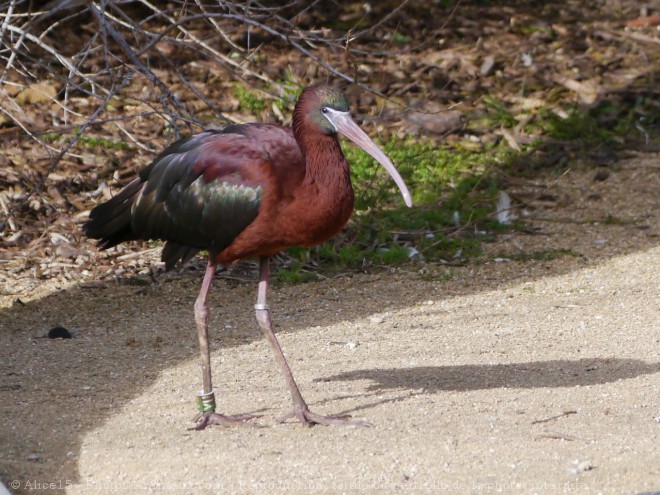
(120, 71)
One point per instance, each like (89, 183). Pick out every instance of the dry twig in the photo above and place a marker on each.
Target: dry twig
(118, 51)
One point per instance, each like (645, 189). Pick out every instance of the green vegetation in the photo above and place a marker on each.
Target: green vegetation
(251, 101)
(294, 274)
(498, 113)
(51, 137)
(290, 92)
(455, 188)
(580, 124)
(400, 39)
(608, 123)
(107, 144)
(454, 192)
(248, 100)
(452, 189)
(88, 141)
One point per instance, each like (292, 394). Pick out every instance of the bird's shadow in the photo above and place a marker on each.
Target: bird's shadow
(469, 377)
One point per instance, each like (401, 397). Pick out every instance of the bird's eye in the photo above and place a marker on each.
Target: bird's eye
(324, 110)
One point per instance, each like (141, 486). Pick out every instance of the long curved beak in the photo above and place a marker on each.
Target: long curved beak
(345, 125)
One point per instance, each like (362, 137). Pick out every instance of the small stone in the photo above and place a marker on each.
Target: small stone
(577, 467)
(436, 122)
(487, 65)
(67, 251)
(376, 320)
(602, 174)
(59, 333)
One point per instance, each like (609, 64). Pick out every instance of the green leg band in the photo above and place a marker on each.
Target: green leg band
(206, 402)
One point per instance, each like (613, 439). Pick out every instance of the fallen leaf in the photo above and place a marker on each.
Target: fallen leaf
(510, 139)
(436, 123)
(36, 93)
(587, 91)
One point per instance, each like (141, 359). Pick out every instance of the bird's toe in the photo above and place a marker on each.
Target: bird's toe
(309, 418)
(202, 420)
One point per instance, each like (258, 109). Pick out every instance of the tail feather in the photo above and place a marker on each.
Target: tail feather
(110, 222)
(173, 252)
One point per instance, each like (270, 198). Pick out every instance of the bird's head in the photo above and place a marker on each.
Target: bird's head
(326, 110)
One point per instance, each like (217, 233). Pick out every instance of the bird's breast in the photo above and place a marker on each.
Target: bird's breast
(318, 216)
(306, 221)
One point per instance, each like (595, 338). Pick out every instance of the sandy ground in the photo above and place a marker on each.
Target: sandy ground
(535, 376)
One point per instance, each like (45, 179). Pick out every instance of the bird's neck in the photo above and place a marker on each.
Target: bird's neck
(322, 202)
(325, 164)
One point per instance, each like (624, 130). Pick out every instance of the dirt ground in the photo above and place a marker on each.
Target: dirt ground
(510, 375)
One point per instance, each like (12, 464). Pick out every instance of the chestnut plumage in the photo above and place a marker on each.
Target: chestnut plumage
(247, 190)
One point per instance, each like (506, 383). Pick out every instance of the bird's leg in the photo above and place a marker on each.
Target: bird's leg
(206, 397)
(202, 322)
(300, 408)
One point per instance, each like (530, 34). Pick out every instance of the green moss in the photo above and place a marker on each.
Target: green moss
(400, 39)
(51, 137)
(247, 99)
(88, 141)
(290, 93)
(99, 142)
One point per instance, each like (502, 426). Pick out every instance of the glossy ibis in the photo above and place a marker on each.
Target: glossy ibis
(242, 191)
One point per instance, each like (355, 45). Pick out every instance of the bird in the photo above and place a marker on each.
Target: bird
(244, 191)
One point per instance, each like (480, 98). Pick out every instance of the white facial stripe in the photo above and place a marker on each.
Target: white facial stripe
(332, 115)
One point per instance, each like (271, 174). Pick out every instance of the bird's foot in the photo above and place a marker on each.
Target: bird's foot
(308, 418)
(202, 420)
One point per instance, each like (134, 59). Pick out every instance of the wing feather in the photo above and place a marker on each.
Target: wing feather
(203, 191)
(203, 197)
(200, 193)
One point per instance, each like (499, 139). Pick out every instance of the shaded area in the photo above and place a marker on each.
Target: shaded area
(540, 374)
(54, 392)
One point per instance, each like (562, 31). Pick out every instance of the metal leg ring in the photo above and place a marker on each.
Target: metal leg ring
(205, 402)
